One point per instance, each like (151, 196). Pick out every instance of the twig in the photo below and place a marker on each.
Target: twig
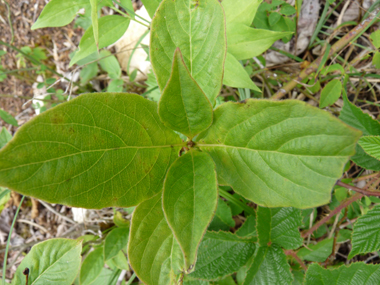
(359, 190)
(350, 36)
(47, 206)
(295, 256)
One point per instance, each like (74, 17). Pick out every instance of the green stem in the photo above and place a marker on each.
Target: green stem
(236, 201)
(127, 16)
(131, 279)
(9, 240)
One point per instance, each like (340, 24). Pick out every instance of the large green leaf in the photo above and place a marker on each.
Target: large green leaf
(183, 106)
(356, 118)
(278, 154)
(198, 29)
(240, 11)
(111, 28)
(189, 201)
(269, 267)
(58, 13)
(246, 42)
(153, 252)
(221, 254)
(92, 266)
(98, 150)
(235, 74)
(279, 226)
(371, 145)
(55, 261)
(115, 241)
(366, 235)
(356, 273)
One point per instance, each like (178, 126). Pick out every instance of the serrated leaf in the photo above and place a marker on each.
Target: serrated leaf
(185, 24)
(111, 28)
(55, 261)
(246, 42)
(356, 118)
(356, 273)
(92, 266)
(366, 234)
(5, 137)
(95, 151)
(235, 74)
(330, 93)
(248, 229)
(153, 252)
(269, 267)
(240, 11)
(183, 106)
(371, 145)
(221, 254)
(8, 118)
(58, 13)
(278, 154)
(279, 226)
(115, 241)
(189, 201)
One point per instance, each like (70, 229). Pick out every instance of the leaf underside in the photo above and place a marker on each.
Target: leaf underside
(278, 154)
(95, 151)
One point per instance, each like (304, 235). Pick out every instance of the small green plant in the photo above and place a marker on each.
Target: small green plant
(173, 160)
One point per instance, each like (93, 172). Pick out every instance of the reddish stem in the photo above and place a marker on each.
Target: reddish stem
(295, 256)
(359, 190)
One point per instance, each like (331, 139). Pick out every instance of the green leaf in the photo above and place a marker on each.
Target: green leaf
(58, 13)
(279, 226)
(269, 267)
(95, 151)
(227, 281)
(189, 201)
(246, 42)
(330, 93)
(94, 20)
(119, 261)
(111, 28)
(115, 241)
(115, 85)
(8, 118)
(88, 72)
(371, 145)
(278, 154)
(356, 273)
(55, 261)
(356, 118)
(110, 64)
(5, 137)
(366, 235)
(376, 60)
(92, 266)
(198, 29)
(235, 74)
(128, 6)
(120, 221)
(221, 254)
(240, 11)
(223, 212)
(317, 252)
(273, 18)
(375, 37)
(183, 106)
(153, 252)
(248, 229)
(151, 6)
(287, 10)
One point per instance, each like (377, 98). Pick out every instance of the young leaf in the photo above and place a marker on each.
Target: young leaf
(221, 254)
(151, 6)
(8, 118)
(246, 42)
(269, 267)
(111, 28)
(240, 11)
(375, 37)
(278, 154)
(94, 20)
(92, 266)
(189, 201)
(317, 252)
(95, 151)
(5, 137)
(118, 261)
(376, 60)
(279, 226)
(223, 212)
(371, 145)
(199, 31)
(55, 261)
(355, 117)
(115, 241)
(58, 13)
(183, 106)
(110, 64)
(356, 273)
(330, 93)
(235, 74)
(153, 252)
(248, 229)
(365, 237)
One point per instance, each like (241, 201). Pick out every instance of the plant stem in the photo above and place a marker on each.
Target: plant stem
(9, 240)
(359, 190)
(236, 201)
(127, 16)
(131, 279)
(295, 256)
(339, 45)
